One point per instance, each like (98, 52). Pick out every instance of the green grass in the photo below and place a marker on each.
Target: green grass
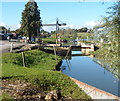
(39, 71)
(85, 35)
(49, 40)
(33, 59)
(5, 96)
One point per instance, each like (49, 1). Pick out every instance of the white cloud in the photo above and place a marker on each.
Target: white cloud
(49, 28)
(91, 23)
(19, 25)
(72, 26)
(53, 28)
(14, 26)
(2, 24)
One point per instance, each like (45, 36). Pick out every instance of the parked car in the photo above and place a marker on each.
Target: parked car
(13, 37)
(2, 36)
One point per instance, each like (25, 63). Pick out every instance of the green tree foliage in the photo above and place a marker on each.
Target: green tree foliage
(3, 29)
(84, 29)
(44, 34)
(67, 33)
(110, 52)
(111, 25)
(30, 24)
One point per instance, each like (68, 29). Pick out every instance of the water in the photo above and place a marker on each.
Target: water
(83, 68)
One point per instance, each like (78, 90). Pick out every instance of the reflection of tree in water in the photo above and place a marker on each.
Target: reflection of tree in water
(68, 65)
(110, 53)
(63, 67)
(109, 60)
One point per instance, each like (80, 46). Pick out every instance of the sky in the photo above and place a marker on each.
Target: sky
(74, 14)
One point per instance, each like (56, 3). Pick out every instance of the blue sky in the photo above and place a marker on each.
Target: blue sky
(75, 14)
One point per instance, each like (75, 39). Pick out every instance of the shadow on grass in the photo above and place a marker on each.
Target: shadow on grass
(10, 77)
(47, 51)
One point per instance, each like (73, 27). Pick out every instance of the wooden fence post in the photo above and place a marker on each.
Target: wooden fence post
(11, 47)
(23, 58)
(55, 54)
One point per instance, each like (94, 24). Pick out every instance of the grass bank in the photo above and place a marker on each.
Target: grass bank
(39, 71)
(49, 40)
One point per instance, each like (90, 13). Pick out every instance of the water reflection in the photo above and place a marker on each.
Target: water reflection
(91, 71)
(114, 70)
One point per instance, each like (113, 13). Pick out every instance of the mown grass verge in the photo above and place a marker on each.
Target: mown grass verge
(49, 40)
(39, 71)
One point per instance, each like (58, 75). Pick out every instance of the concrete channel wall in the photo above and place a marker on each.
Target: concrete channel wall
(96, 93)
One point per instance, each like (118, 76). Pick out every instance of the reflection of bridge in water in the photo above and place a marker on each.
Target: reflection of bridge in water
(70, 67)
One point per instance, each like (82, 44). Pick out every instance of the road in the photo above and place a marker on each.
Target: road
(5, 45)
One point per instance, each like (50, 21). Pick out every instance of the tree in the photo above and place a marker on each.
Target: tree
(110, 27)
(31, 23)
(3, 29)
(84, 29)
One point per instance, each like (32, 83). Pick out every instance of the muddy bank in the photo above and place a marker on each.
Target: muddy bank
(57, 67)
(22, 90)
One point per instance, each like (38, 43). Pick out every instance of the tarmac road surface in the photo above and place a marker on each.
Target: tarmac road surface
(5, 45)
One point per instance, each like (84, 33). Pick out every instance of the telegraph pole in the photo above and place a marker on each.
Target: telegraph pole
(57, 30)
